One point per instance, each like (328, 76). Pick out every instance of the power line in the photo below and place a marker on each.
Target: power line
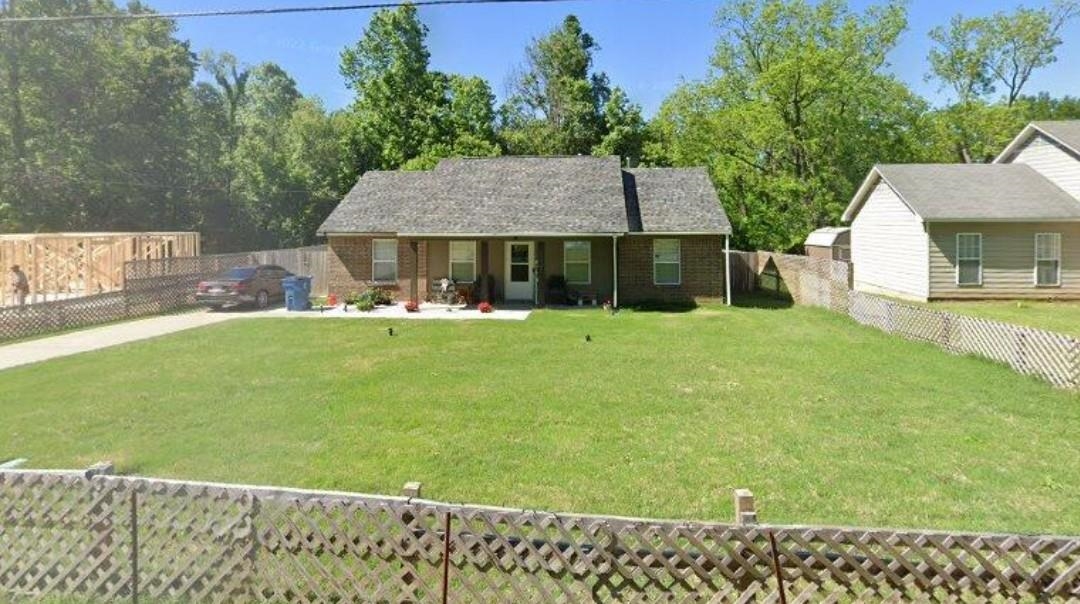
(262, 11)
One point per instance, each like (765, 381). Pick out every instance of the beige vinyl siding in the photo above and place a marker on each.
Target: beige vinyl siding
(889, 247)
(1008, 260)
(1057, 164)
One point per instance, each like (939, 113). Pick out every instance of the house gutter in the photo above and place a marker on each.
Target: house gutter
(727, 269)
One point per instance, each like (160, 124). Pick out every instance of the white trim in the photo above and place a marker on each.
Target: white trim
(677, 263)
(675, 233)
(588, 261)
(1002, 220)
(450, 259)
(506, 236)
(373, 261)
(959, 259)
(1035, 269)
(1024, 137)
(869, 183)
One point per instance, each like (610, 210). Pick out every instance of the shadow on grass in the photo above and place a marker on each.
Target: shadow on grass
(762, 301)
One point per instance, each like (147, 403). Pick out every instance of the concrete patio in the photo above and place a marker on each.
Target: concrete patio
(397, 311)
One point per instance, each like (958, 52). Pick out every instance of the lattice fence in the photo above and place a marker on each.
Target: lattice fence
(151, 287)
(112, 538)
(821, 282)
(1050, 356)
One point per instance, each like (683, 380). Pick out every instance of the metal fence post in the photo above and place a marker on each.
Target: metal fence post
(446, 561)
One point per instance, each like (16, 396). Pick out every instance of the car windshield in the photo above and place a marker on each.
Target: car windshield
(240, 273)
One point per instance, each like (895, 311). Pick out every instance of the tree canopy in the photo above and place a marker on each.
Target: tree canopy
(107, 124)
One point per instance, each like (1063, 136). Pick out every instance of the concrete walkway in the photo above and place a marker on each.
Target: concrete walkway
(96, 338)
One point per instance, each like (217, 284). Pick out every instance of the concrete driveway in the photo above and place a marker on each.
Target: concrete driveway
(96, 338)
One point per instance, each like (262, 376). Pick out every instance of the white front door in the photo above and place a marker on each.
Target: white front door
(520, 279)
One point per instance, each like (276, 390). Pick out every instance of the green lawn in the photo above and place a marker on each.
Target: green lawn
(1062, 317)
(662, 414)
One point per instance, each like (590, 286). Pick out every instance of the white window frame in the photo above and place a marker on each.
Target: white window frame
(1056, 258)
(452, 262)
(587, 262)
(374, 244)
(960, 258)
(677, 262)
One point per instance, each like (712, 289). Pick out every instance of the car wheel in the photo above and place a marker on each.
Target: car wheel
(262, 299)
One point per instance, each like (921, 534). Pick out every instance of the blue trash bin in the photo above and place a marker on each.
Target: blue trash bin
(297, 293)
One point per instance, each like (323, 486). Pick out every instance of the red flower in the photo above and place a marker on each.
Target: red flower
(485, 307)
(412, 306)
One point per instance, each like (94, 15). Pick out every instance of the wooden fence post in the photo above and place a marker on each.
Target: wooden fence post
(745, 514)
(411, 489)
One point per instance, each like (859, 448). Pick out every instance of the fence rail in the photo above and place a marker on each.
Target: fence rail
(152, 287)
(825, 283)
(109, 537)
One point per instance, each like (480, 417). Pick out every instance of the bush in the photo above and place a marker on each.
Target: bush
(365, 305)
(556, 290)
(485, 307)
(377, 296)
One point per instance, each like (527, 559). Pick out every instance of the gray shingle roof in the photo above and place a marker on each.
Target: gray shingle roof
(1067, 132)
(675, 200)
(978, 192)
(529, 195)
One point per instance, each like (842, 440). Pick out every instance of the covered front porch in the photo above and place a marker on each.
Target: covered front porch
(530, 270)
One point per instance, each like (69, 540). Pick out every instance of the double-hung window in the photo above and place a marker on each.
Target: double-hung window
(667, 262)
(384, 260)
(463, 261)
(577, 262)
(1048, 259)
(969, 267)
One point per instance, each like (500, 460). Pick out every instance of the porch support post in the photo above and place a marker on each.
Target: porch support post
(414, 290)
(485, 270)
(727, 269)
(615, 271)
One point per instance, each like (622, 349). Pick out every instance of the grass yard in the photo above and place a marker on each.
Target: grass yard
(1062, 317)
(662, 414)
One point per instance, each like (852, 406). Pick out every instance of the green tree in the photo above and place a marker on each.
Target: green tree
(624, 129)
(798, 107)
(557, 101)
(396, 95)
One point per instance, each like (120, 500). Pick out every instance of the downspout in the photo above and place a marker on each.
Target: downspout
(727, 268)
(615, 271)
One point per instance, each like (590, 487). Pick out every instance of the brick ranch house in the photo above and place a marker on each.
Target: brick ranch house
(625, 235)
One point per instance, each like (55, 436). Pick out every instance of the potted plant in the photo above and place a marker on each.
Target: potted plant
(485, 307)
(412, 306)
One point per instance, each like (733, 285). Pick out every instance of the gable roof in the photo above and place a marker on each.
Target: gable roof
(529, 196)
(970, 192)
(1064, 132)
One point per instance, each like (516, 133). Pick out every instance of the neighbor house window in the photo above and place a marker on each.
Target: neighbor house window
(969, 259)
(577, 262)
(667, 261)
(463, 261)
(384, 260)
(1048, 259)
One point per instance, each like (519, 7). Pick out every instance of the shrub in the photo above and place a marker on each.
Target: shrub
(485, 307)
(412, 306)
(365, 305)
(353, 298)
(382, 296)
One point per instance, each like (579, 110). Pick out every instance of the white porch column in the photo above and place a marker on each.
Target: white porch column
(615, 271)
(727, 269)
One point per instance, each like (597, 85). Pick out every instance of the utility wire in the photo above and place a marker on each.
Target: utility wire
(262, 11)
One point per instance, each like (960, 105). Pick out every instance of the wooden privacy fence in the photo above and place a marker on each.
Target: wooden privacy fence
(821, 282)
(111, 538)
(152, 287)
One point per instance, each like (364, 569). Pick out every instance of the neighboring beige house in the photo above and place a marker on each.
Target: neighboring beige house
(1005, 230)
(502, 227)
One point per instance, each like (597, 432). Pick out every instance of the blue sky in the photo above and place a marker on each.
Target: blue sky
(647, 46)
